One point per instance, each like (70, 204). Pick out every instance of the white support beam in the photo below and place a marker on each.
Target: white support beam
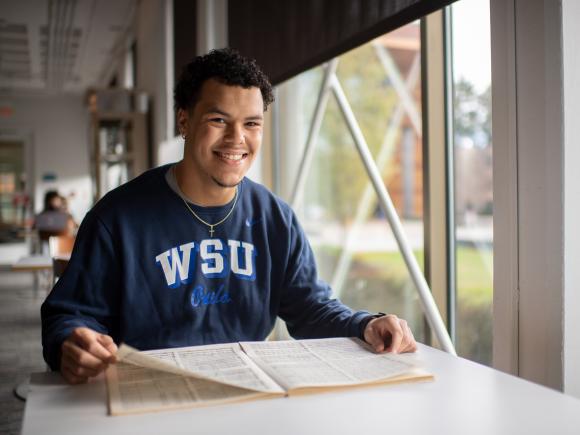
(212, 25)
(437, 207)
(571, 91)
(505, 188)
(528, 189)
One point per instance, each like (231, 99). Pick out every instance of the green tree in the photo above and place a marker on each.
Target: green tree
(472, 113)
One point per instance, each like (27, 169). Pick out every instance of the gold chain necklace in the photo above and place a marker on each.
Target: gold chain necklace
(211, 226)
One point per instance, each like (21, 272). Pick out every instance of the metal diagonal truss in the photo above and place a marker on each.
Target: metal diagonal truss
(313, 132)
(330, 83)
(403, 89)
(368, 198)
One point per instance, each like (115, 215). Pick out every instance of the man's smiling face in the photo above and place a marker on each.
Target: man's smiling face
(224, 134)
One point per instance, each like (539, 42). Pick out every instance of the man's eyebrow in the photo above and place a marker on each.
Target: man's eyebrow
(227, 115)
(216, 110)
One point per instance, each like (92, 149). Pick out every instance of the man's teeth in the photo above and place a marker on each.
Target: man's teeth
(230, 156)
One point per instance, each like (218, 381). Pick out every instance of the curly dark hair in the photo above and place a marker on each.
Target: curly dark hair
(225, 65)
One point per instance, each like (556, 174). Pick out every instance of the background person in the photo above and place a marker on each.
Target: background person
(54, 220)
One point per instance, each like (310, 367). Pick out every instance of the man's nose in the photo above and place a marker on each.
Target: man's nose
(235, 134)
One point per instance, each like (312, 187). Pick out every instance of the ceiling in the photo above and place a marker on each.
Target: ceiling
(61, 46)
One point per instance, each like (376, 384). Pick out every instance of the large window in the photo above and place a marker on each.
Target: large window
(322, 175)
(354, 245)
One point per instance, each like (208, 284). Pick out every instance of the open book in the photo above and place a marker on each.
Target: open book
(222, 373)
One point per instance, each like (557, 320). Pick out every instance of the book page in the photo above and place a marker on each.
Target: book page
(226, 364)
(133, 389)
(325, 362)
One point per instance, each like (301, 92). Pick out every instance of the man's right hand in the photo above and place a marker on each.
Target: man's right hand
(86, 353)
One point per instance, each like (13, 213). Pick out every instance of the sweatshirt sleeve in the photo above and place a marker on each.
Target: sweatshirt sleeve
(87, 294)
(306, 304)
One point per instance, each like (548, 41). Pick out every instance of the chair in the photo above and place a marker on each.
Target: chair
(44, 237)
(40, 246)
(60, 249)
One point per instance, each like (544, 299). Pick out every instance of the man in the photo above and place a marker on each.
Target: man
(195, 253)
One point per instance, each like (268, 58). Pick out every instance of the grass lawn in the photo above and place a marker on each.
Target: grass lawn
(474, 276)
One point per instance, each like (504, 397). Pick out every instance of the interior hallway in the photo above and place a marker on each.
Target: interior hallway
(20, 348)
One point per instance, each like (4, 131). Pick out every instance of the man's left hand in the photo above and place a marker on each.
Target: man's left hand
(390, 334)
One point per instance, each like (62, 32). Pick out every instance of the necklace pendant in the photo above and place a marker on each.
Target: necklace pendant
(211, 226)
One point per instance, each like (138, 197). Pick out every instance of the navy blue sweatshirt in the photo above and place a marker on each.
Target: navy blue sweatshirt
(145, 271)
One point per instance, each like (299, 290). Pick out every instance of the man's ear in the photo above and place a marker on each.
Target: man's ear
(182, 121)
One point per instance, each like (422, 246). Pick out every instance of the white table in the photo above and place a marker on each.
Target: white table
(40, 265)
(33, 263)
(465, 398)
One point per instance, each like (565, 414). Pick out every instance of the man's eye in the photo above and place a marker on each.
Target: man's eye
(218, 120)
(253, 124)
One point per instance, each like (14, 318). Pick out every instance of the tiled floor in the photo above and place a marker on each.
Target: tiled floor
(20, 348)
